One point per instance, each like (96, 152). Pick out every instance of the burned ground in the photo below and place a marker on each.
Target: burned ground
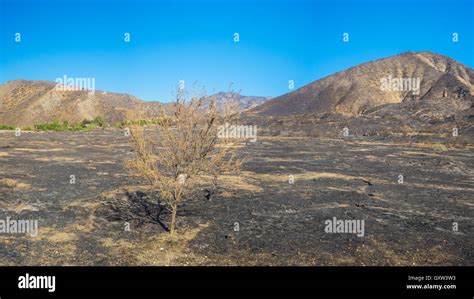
(278, 223)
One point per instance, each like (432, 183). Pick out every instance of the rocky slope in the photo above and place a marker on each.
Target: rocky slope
(25, 102)
(446, 87)
(32, 102)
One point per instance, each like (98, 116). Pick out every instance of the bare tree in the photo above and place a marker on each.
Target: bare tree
(185, 149)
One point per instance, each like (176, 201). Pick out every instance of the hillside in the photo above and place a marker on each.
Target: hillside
(25, 102)
(446, 87)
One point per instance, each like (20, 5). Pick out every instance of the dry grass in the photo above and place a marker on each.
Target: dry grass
(309, 175)
(11, 183)
(458, 142)
(55, 235)
(17, 207)
(158, 250)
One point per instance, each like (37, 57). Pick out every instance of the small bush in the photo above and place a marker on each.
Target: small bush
(54, 126)
(77, 127)
(119, 125)
(7, 127)
(89, 127)
(85, 122)
(99, 121)
(187, 153)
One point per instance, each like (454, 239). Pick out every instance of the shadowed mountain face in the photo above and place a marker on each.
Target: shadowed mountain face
(244, 102)
(32, 102)
(422, 81)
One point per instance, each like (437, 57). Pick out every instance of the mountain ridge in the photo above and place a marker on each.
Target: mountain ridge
(357, 89)
(30, 102)
(444, 87)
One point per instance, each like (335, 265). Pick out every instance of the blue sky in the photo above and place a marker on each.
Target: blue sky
(193, 40)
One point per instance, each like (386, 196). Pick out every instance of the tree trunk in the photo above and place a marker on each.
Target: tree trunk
(174, 209)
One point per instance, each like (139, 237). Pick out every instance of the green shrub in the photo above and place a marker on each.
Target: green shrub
(7, 127)
(47, 127)
(85, 122)
(54, 126)
(90, 127)
(99, 121)
(77, 127)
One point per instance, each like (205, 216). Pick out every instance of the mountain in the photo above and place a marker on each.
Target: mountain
(25, 102)
(432, 88)
(244, 102)
(446, 87)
